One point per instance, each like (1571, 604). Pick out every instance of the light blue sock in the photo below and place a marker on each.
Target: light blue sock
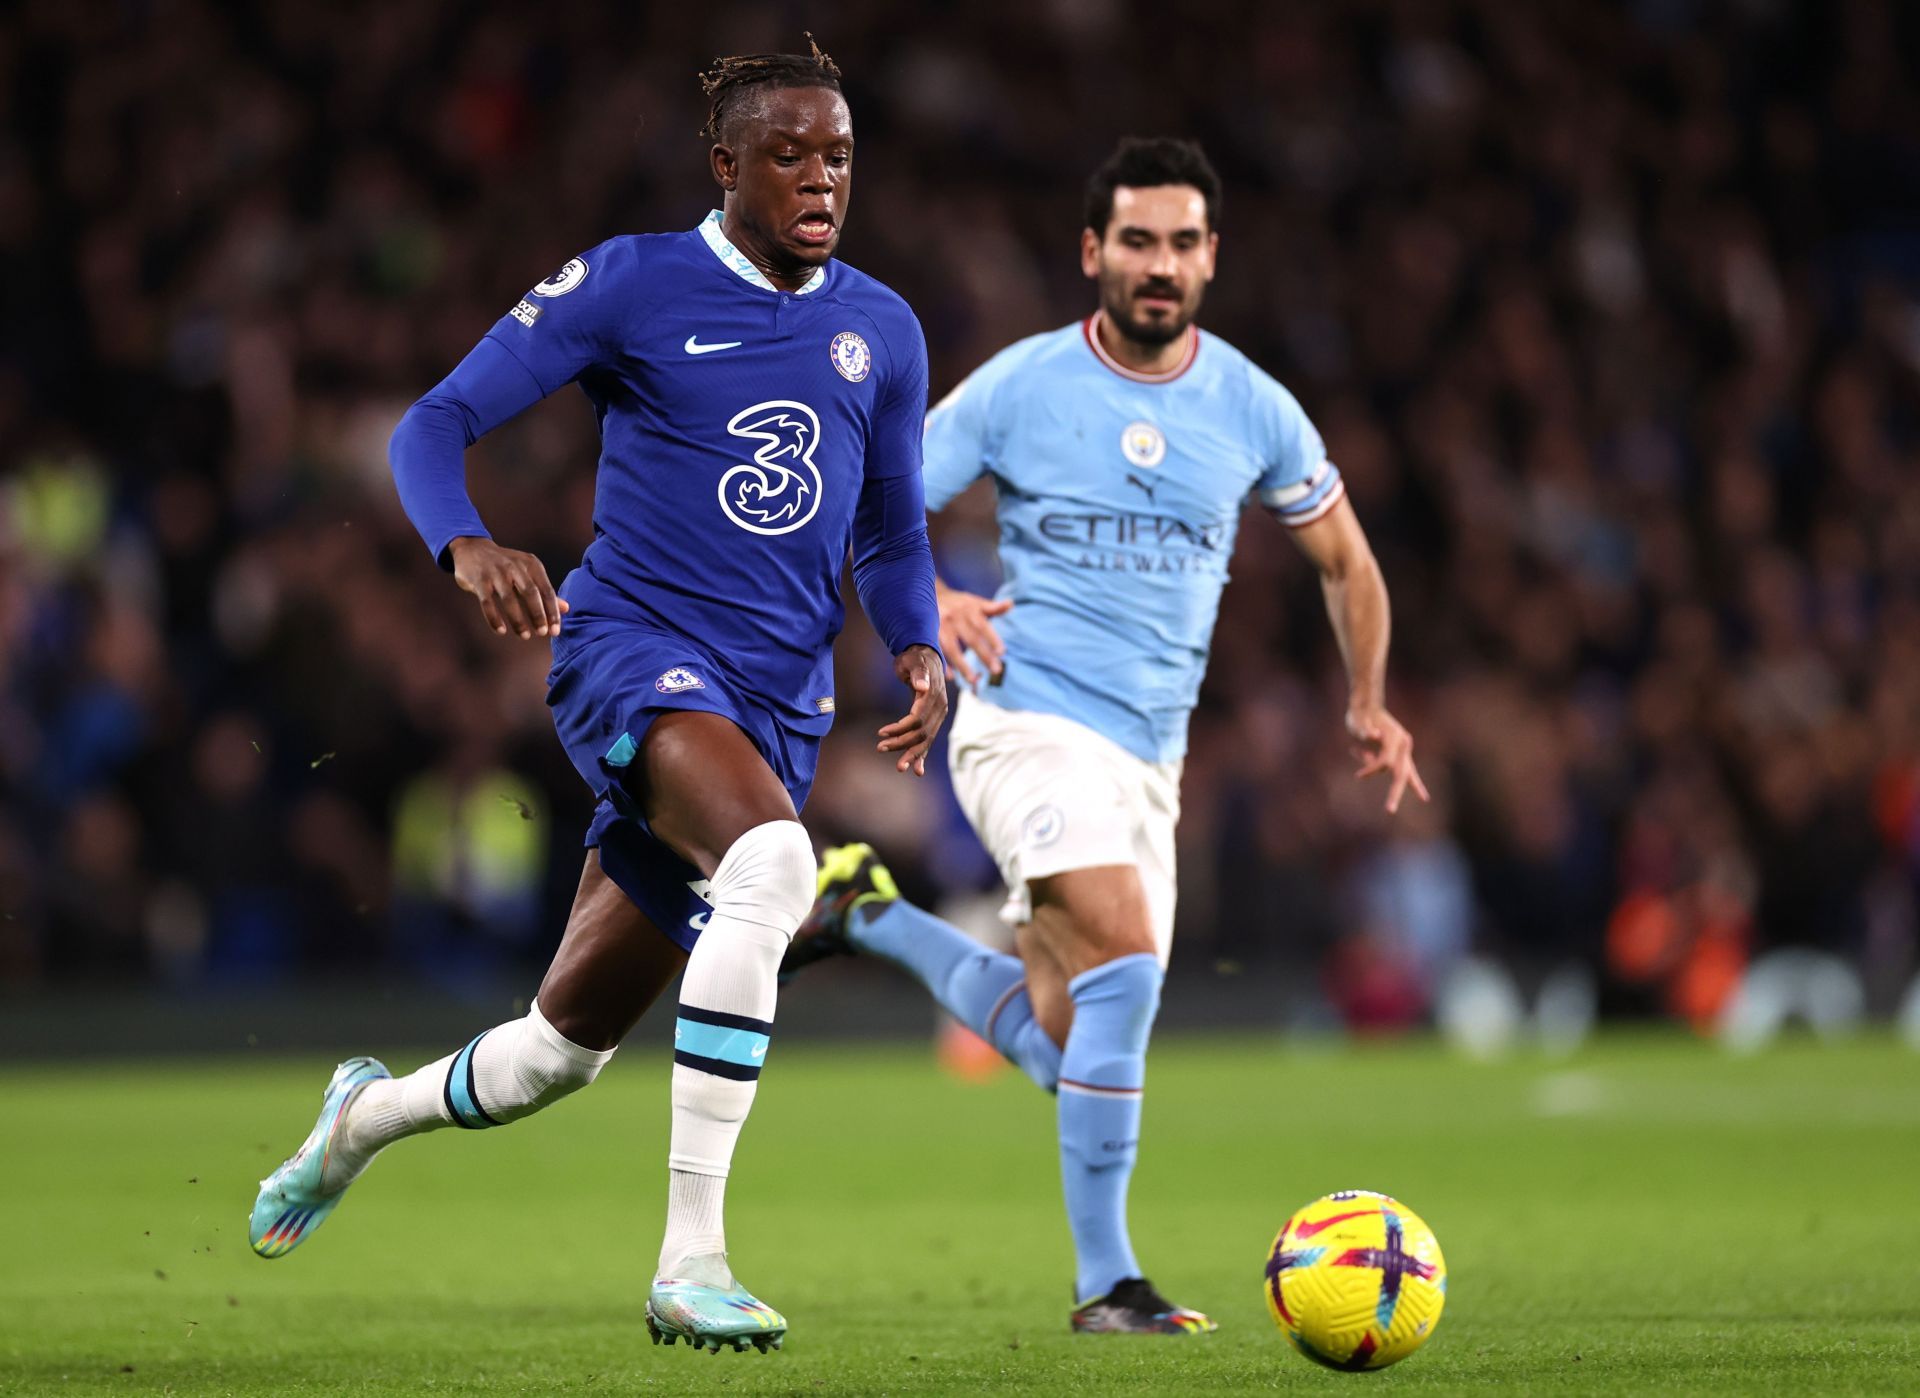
(1102, 1074)
(985, 990)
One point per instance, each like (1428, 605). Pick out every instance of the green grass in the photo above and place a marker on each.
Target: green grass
(1651, 1215)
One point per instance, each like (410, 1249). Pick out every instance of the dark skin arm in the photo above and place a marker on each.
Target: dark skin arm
(922, 670)
(513, 588)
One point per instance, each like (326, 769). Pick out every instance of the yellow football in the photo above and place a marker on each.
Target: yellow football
(1356, 1280)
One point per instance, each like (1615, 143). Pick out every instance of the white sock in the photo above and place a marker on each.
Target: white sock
(696, 1227)
(509, 1072)
(762, 889)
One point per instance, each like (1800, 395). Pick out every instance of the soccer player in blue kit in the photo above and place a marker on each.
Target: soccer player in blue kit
(760, 409)
(1122, 449)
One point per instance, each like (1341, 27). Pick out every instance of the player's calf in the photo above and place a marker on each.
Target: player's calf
(511, 1071)
(1102, 1079)
(507, 1073)
(760, 891)
(1102, 1082)
(860, 910)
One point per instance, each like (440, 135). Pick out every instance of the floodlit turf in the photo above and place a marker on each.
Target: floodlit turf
(1650, 1215)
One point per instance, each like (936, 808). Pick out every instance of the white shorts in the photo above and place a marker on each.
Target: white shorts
(1046, 794)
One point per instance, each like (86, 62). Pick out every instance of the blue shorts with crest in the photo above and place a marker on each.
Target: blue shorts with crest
(611, 678)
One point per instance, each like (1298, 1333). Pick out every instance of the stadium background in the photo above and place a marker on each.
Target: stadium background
(1610, 314)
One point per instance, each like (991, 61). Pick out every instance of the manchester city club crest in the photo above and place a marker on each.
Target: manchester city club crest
(850, 356)
(1144, 444)
(1042, 826)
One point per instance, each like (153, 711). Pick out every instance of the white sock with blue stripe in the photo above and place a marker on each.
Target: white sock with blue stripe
(511, 1071)
(1102, 1075)
(760, 891)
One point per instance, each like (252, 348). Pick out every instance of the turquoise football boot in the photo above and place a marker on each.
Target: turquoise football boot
(713, 1312)
(294, 1199)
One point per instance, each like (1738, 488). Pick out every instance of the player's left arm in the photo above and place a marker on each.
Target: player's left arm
(893, 573)
(959, 445)
(1356, 596)
(892, 558)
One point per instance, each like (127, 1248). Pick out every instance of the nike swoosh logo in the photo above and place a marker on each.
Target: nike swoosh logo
(1307, 1230)
(693, 345)
(758, 1051)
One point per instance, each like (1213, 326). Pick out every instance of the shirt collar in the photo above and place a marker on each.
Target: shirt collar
(737, 260)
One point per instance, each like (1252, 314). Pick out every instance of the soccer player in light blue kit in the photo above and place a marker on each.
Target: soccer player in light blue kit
(760, 410)
(1122, 449)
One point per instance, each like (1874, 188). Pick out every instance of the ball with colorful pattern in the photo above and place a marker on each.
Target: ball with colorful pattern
(1356, 1280)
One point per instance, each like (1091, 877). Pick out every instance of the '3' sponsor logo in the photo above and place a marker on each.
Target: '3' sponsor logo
(780, 490)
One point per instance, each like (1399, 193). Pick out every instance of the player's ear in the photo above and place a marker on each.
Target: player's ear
(1090, 252)
(725, 165)
(1213, 254)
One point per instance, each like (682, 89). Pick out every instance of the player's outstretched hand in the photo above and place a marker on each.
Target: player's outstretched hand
(514, 592)
(1384, 745)
(921, 670)
(965, 624)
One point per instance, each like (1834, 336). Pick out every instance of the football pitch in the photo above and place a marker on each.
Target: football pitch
(1650, 1214)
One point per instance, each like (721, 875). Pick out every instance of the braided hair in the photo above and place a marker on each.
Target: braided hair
(729, 78)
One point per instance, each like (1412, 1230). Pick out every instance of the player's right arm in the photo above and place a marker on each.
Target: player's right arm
(966, 625)
(959, 450)
(554, 334)
(428, 454)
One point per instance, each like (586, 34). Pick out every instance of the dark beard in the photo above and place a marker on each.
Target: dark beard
(1147, 332)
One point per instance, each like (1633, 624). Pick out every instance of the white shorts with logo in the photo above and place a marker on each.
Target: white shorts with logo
(1046, 794)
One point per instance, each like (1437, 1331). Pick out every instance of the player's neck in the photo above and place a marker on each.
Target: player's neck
(782, 279)
(1141, 358)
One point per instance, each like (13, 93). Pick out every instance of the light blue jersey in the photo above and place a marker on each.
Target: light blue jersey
(1120, 495)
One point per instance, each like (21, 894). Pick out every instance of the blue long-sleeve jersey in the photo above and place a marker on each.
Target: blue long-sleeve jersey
(748, 437)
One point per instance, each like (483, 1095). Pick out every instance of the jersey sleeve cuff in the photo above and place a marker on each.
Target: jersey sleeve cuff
(443, 555)
(1308, 500)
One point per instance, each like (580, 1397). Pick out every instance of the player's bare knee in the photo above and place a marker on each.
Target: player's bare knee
(1089, 917)
(1103, 943)
(573, 1002)
(1081, 941)
(1124, 939)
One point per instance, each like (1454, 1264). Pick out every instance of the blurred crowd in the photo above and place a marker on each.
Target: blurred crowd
(1609, 312)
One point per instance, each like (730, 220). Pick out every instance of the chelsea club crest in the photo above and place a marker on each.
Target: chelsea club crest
(850, 356)
(678, 680)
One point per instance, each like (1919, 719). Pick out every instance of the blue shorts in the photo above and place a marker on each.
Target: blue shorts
(611, 679)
